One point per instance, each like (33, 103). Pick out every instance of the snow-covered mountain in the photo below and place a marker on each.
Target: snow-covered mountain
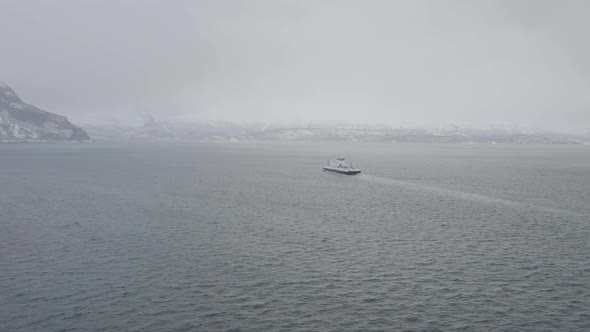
(229, 131)
(215, 130)
(20, 122)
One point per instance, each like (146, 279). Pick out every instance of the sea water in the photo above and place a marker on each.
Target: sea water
(255, 237)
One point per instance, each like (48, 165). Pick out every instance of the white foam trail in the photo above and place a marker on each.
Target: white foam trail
(464, 195)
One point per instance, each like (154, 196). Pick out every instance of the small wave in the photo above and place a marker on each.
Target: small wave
(464, 195)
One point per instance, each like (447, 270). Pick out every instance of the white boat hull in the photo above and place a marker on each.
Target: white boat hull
(342, 170)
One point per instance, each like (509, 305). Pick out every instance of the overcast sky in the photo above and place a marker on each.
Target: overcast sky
(521, 62)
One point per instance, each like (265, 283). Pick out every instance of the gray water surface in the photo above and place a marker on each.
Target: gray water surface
(255, 237)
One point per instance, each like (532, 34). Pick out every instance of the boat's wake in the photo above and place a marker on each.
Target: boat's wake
(465, 195)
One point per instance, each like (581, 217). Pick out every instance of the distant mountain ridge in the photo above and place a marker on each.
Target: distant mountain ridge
(217, 130)
(229, 131)
(20, 122)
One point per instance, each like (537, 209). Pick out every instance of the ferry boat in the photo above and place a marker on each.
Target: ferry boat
(341, 166)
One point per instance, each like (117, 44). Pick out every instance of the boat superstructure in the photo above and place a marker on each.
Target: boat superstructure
(341, 166)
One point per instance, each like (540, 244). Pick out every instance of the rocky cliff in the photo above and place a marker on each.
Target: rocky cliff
(20, 122)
